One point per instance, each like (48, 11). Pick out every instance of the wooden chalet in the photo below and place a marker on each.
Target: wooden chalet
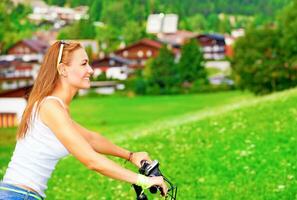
(110, 61)
(213, 46)
(21, 92)
(140, 51)
(28, 47)
(12, 104)
(178, 38)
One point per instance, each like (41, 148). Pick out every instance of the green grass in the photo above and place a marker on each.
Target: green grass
(120, 115)
(230, 146)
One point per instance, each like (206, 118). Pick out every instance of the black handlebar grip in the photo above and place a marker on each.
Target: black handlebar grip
(143, 162)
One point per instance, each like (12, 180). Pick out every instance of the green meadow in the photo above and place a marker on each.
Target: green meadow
(228, 145)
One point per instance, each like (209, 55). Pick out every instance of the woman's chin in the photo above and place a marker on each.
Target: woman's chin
(85, 86)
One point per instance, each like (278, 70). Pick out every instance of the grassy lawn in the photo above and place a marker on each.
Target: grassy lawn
(119, 115)
(214, 146)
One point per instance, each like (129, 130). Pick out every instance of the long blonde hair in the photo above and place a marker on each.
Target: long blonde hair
(46, 80)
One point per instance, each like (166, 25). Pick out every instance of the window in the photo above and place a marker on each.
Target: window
(149, 53)
(125, 53)
(140, 54)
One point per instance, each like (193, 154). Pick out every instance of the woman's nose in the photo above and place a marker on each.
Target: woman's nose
(90, 70)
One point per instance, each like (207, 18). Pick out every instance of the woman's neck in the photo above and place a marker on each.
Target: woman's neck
(66, 93)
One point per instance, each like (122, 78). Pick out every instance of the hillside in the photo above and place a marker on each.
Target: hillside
(192, 13)
(191, 7)
(244, 150)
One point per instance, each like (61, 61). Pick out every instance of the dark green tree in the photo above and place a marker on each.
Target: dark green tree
(288, 26)
(114, 14)
(15, 25)
(164, 77)
(133, 32)
(95, 10)
(83, 29)
(191, 64)
(259, 65)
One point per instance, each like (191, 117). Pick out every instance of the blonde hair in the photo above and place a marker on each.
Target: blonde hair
(46, 80)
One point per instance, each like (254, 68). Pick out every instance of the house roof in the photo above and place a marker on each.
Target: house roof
(4, 64)
(219, 38)
(213, 36)
(178, 38)
(37, 46)
(115, 58)
(148, 42)
(145, 41)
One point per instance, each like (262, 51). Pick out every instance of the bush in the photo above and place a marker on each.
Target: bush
(259, 65)
(101, 77)
(140, 86)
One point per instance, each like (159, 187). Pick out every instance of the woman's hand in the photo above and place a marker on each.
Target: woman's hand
(137, 157)
(159, 181)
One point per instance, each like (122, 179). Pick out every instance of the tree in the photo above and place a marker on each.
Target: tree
(115, 14)
(83, 29)
(14, 24)
(195, 23)
(287, 23)
(107, 36)
(258, 64)
(163, 72)
(190, 66)
(95, 10)
(133, 32)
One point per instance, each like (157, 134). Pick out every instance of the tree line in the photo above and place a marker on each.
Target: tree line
(266, 58)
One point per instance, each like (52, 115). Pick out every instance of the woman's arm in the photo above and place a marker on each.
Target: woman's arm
(102, 145)
(58, 120)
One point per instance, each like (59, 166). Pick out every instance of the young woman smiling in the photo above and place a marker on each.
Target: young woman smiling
(47, 133)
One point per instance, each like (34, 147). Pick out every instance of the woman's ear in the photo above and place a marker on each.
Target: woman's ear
(62, 69)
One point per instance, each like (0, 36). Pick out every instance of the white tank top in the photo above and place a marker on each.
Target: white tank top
(35, 156)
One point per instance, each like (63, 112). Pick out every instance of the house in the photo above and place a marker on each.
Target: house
(20, 66)
(17, 74)
(28, 47)
(213, 46)
(176, 39)
(231, 39)
(114, 66)
(139, 52)
(10, 83)
(229, 52)
(12, 105)
(58, 16)
(124, 61)
(21, 92)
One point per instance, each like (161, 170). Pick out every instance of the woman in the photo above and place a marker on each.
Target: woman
(47, 133)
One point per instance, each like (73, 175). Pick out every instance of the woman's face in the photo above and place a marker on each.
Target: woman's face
(79, 70)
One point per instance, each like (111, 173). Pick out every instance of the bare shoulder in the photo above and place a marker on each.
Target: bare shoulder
(51, 112)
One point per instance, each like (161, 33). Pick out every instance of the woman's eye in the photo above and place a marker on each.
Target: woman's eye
(84, 64)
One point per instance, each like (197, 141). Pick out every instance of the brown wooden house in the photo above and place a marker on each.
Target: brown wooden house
(28, 47)
(213, 46)
(178, 38)
(10, 108)
(110, 61)
(139, 52)
(22, 92)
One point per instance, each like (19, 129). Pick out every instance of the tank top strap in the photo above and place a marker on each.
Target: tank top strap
(56, 98)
